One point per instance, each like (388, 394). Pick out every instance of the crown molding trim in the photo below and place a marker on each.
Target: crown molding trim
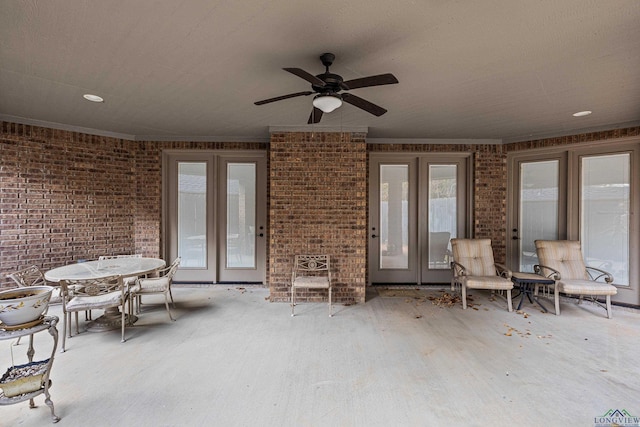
(316, 128)
(60, 126)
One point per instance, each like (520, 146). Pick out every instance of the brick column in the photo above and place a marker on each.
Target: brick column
(318, 204)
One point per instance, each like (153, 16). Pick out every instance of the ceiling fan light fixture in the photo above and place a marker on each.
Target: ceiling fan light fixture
(327, 103)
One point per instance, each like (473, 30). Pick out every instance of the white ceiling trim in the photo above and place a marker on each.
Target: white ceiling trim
(316, 128)
(199, 138)
(432, 141)
(577, 131)
(275, 129)
(60, 126)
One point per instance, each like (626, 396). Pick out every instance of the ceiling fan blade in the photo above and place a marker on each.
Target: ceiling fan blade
(379, 80)
(307, 76)
(367, 106)
(315, 116)
(279, 98)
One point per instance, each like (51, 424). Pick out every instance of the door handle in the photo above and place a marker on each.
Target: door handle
(261, 234)
(373, 236)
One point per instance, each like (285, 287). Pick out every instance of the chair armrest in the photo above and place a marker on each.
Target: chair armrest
(608, 278)
(503, 271)
(458, 269)
(553, 273)
(161, 272)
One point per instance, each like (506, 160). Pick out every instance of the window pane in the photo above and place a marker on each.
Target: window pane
(241, 215)
(394, 216)
(538, 208)
(192, 213)
(604, 214)
(442, 213)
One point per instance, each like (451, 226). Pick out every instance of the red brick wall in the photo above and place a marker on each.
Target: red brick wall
(318, 205)
(64, 196)
(490, 197)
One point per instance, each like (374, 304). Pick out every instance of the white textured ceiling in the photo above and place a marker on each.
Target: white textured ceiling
(192, 69)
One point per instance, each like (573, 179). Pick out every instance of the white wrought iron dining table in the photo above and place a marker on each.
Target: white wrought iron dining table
(125, 267)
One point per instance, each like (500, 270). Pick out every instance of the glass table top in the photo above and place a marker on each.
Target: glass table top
(125, 267)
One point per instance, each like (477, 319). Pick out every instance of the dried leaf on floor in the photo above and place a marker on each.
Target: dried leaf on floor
(445, 300)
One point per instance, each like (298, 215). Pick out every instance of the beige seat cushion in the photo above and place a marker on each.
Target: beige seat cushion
(80, 303)
(311, 282)
(586, 287)
(159, 284)
(487, 282)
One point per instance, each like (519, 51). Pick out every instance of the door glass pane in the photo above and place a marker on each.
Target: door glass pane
(394, 216)
(192, 214)
(241, 215)
(604, 214)
(538, 208)
(442, 213)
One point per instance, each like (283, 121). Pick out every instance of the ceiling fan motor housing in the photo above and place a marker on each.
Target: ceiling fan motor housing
(332, 83)
(327, 59)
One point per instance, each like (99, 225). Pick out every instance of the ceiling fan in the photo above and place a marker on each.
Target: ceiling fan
(327, 87)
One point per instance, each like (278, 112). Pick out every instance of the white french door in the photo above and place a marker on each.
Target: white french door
(606, 225)
(417, 205)
(585, 193)
(215, 215)
(393, 220)
(242, 220)
(539, 207)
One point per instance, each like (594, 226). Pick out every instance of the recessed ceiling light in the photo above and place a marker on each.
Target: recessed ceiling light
(582, 113)
(93, 98)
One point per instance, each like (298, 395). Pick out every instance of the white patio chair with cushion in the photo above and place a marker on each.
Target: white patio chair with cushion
(30, 276)
(160, 283)
(562, 261)
(311, 272)
(33, 276)
(474, 268)
(92, 294)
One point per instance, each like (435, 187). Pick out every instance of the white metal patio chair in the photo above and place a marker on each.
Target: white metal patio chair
(160, 283)
(311, 272)
(92, 294)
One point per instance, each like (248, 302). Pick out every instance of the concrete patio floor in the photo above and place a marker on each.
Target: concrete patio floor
(234, 359)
